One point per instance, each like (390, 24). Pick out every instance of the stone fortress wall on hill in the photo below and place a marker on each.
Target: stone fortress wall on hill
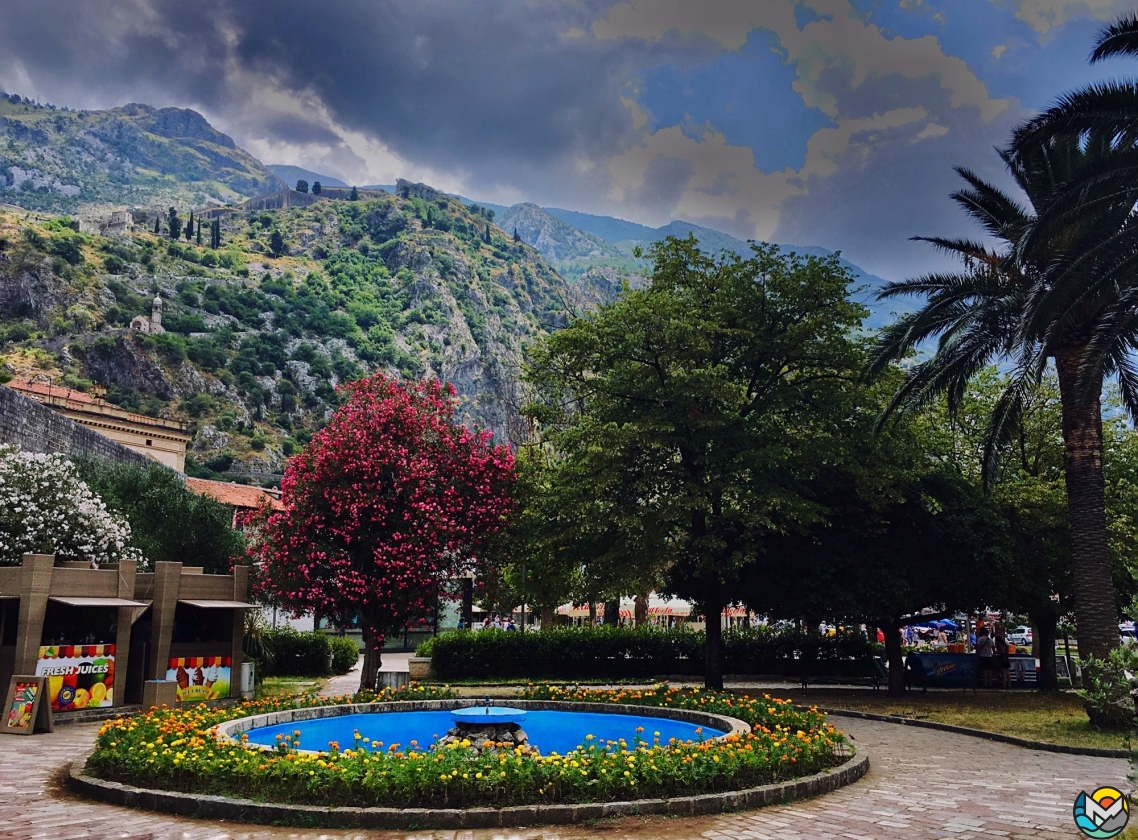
(36, 428)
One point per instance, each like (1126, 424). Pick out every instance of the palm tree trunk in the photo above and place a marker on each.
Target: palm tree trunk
(1096, 614)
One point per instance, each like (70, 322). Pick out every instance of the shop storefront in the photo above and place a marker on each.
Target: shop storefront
(97, 634)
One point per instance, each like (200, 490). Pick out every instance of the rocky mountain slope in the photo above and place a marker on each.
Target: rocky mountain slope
(260, 331)
(291, 174)
(135, 156)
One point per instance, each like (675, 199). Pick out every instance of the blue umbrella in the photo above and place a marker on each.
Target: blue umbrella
(947, 624)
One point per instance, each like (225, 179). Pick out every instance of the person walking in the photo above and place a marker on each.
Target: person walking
(985, 656)
(1003, 662)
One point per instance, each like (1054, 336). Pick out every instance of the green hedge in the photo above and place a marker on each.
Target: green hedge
(576, 653)
(345, 654)
(296, 653)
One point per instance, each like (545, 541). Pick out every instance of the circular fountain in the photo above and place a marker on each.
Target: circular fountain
(548, 726)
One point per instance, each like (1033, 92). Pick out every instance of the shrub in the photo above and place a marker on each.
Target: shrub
(1107, 689)
(297, 653)
(345, 654)
(576, 653)
(46, 507)
(150, 498)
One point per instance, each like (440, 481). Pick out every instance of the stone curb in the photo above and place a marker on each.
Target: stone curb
(249, 811)
(1044, 746)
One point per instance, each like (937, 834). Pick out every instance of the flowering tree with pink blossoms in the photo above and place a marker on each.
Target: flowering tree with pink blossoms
(388, 500)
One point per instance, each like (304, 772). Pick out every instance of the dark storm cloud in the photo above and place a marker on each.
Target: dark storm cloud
(293, 129)
(465, 86)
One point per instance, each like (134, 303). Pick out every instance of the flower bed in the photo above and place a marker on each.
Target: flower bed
(177, 750)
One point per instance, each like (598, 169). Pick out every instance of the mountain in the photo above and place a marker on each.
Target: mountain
(555, 232)
(555, 239)
(291, 174)
(136, 156)
(256, 341)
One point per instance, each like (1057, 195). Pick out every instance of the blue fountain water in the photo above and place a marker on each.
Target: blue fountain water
(548, 731)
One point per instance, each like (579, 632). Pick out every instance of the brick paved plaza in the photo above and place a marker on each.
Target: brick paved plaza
(923, 785)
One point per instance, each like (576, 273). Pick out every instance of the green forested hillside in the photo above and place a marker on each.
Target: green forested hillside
(262, 329)
(138, 156)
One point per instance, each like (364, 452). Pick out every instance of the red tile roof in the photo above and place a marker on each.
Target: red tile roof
(242, 496)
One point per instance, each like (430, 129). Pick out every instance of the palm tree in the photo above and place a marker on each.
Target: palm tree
(1056, 288)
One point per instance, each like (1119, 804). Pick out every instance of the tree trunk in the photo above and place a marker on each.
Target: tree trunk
(373, 655)
(547, 618)
(1043, 648)
(592, 613)
(1095, 611)
(713, 644)
(895, 657)
(640, 609)
(612, 612)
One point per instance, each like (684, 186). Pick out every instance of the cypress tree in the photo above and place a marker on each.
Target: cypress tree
(157, 224)
(316, 188)
(355, 195)
(516, 237)
(175, 224)
(486, 236)
(190, 227)
(199, 231)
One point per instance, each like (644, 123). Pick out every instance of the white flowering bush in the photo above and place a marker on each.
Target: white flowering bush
(45, 508)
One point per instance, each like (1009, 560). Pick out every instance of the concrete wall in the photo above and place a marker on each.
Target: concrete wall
(37, 428)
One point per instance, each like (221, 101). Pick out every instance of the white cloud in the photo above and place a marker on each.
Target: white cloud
(931, 130)
(724, 181)
(843, 40)
(1045, 15)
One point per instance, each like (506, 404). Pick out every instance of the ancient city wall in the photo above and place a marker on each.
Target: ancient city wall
(36, 428)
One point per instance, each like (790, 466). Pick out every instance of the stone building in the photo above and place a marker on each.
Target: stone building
(153, 325)
(163, 440)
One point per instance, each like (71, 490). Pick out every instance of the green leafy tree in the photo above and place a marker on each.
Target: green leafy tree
(354, 195)
(174, 224)
(302, 186)
(701, 392)
(167, 520)
(316, 188)
(276, 243)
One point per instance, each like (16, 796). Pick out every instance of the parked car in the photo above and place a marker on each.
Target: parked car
(1020, 636)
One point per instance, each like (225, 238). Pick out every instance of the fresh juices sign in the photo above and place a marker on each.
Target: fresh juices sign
(78, 676)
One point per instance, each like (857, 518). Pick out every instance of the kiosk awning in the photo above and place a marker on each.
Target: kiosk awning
(218, 605)
(95, 602)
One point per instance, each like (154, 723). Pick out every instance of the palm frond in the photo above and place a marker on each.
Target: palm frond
(1120, 38)
(1110, 107)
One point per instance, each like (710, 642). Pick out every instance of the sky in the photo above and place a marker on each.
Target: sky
(820, 122)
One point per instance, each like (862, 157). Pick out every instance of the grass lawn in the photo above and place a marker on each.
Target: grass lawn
(1054, 718)
(276, 686)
